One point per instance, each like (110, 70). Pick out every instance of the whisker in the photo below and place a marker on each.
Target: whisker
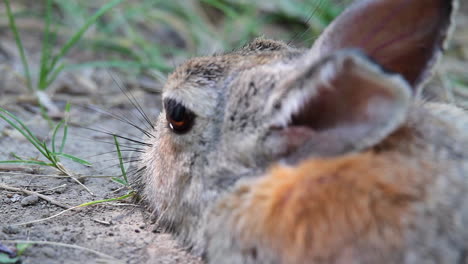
(115, 151)
(134, 102)
(116, 166)
(119, 84)
(108, 142)
(119, 136)
(121, 118)
(116, 158)
(298, 35)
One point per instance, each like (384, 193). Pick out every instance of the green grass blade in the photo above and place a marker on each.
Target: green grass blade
(119, 181)
(54, 135)
(26, 162)
(44, 115)
(46, 48)
(77, 36)
(21, 247)
(27, 134)
(50, 155)
(23, 126)
(108, 200)
(458, 80)
(53, 76)
(19, 44)
(73, 158)
(5, 259)
(226, 9)
(65, 127)
(121, 164)
(16, 156)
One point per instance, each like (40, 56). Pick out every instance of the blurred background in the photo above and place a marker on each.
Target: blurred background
(143, 40)
(147, 38)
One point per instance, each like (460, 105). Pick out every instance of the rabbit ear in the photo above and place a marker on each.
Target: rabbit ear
(343, 103)
(404, 36)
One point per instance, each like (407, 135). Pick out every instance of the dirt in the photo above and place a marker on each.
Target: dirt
(120, 230)
(117, 229)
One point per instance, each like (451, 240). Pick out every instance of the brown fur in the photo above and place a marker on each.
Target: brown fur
(357, 208)
(313, 210)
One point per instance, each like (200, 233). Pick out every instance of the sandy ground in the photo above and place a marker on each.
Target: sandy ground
(117, 229)
(116, 232)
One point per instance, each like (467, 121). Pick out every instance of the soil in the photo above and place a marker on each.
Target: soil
(120, 230)
(117, 232)
(116, 229)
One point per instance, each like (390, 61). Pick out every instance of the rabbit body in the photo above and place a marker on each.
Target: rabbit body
(403, 201)
(272, 154)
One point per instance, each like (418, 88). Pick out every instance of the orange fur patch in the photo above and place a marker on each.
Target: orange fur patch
(318, 209)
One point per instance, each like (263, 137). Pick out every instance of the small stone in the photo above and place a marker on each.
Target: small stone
(16, 197)
(61, 190)
(48, 252)
(30, 200)
(10, 230)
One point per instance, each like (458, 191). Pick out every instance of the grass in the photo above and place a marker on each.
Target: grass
(123, 177)
(50, 63)
(52, 153)
(126, 33)
(19, 250)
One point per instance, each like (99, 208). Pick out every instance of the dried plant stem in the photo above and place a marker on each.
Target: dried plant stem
(43, 197)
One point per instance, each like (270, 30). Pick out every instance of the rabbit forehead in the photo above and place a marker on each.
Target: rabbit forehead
(199, 83)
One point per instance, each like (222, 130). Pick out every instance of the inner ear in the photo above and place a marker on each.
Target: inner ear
(343, 103)
(404, 36)
(349, 99)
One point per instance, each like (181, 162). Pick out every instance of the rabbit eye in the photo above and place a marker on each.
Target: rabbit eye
(179, 118)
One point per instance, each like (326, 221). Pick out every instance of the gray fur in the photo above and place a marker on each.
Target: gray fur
(240, 99)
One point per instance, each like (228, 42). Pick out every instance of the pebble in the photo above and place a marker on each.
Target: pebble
(16, 197)
(30, 200)
(10, 230)
(48, 252)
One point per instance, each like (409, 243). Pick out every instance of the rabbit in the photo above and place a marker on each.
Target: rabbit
(275, 154)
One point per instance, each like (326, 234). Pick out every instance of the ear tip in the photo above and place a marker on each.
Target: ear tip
(448, 11)
(370, 25)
